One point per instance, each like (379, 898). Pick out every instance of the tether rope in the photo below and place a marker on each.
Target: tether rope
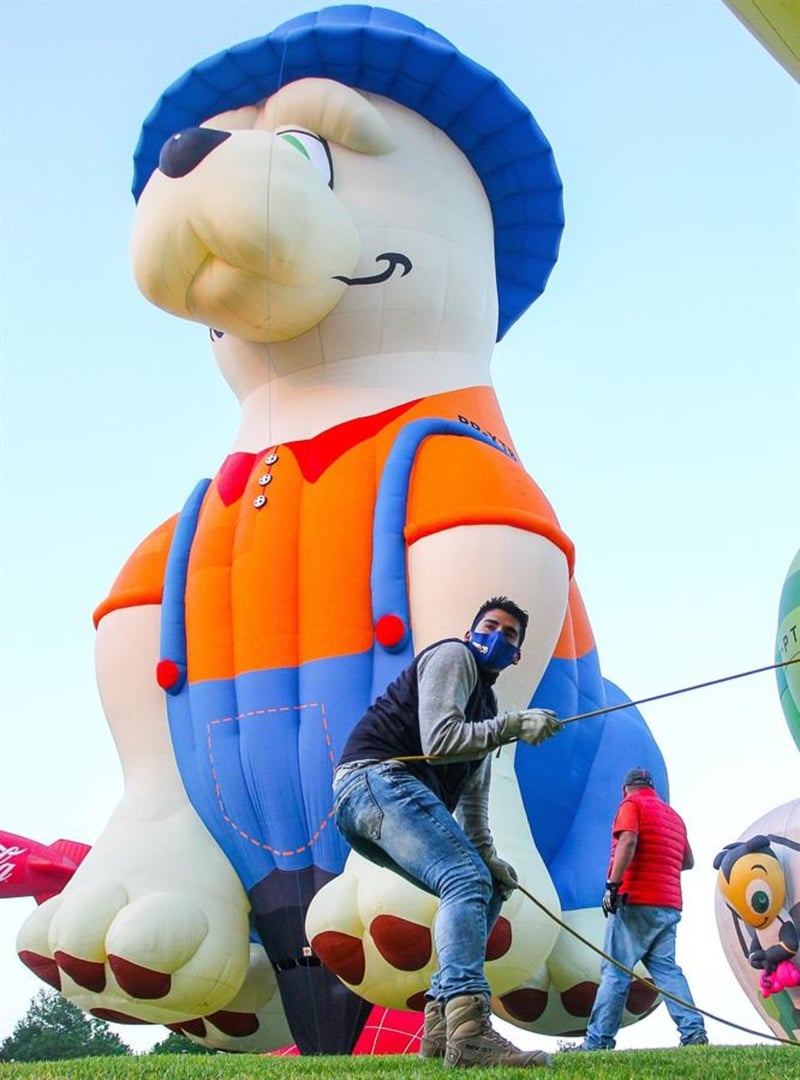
(570, 930)
(630, 704)
(648, 981)
(682, 690)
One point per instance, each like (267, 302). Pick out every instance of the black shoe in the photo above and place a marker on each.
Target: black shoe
(699, 1039)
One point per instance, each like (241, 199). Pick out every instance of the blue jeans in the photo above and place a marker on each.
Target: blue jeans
(391, 818)
(640, 932)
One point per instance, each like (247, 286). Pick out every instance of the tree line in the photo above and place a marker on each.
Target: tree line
(54, 1029)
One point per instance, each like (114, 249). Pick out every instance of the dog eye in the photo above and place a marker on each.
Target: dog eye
(313, 148)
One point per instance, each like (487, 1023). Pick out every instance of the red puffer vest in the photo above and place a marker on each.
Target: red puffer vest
(654, 875)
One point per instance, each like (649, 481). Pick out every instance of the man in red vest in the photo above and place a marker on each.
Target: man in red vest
(649, 850)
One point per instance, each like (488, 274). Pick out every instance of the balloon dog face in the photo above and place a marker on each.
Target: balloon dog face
(333, 199)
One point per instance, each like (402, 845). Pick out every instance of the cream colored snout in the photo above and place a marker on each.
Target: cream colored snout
(249, 239)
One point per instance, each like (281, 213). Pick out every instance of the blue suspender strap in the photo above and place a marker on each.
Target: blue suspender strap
(173, 605)
(388, 577)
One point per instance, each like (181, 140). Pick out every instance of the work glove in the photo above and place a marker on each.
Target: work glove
(612, 901)
(531, 725)
(503, 873)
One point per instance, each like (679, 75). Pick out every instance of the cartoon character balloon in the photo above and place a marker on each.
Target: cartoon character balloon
(758, 915)
(357, 211)
(758, 892)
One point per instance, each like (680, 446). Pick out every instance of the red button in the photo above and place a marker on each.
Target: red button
(167, 674)
(390, 631)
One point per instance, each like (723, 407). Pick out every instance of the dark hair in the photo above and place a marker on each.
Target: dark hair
(502, 603)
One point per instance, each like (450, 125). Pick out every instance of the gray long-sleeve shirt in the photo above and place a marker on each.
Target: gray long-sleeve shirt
(446, 677)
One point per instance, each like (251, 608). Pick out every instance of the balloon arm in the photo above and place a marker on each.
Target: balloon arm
(773, 839)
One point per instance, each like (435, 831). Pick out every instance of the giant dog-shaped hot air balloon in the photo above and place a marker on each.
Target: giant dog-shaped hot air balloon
(357, 212)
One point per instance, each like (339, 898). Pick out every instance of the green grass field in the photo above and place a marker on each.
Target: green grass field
(691, 1063)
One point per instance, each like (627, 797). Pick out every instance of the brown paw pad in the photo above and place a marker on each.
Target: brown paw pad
(342, 954)
(139, 982)
(90, 974)
(236, 1024)
(499, 940)
(42, 967)
(405, 945)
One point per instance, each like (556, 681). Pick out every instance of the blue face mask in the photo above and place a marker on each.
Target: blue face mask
(493, 650)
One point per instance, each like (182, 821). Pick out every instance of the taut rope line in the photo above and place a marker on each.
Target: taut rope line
(631, 704)
(570, 930)
(648, 982)
(682, 690)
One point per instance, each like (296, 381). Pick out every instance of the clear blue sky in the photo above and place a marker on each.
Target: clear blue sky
(652, 391)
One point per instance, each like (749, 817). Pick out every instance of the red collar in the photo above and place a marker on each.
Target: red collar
(313, 456)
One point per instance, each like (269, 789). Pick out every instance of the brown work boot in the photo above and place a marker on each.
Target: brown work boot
(434, 1036)
(471, 1039)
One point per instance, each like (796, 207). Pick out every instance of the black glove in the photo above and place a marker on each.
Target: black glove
(757, 958)
(612, 901)
(773, 956)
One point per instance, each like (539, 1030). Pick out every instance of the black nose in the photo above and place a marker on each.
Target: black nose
(184, 151)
